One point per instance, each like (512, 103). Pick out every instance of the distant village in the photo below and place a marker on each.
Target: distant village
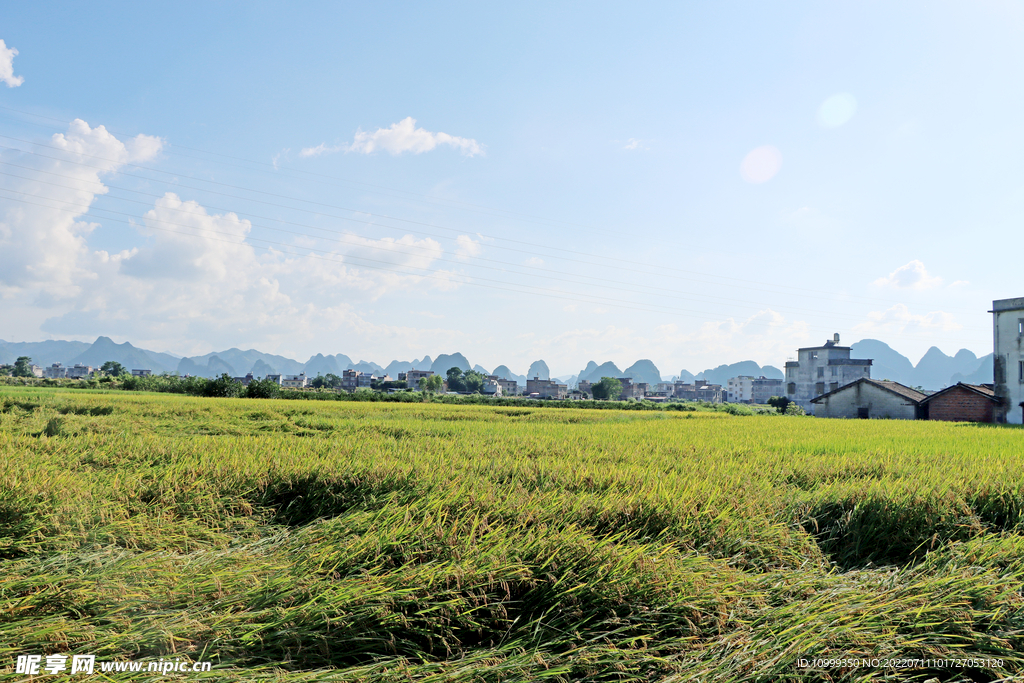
(823, 381)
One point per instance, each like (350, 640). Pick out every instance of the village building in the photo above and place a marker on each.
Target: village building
(491, 387)
(1008, 362)
(412, 377)
(80, 371)
(55, 371)
(963, 403)
(822, 369)
(871, 398)
(546, 388)
(294, 381)
(147, 373)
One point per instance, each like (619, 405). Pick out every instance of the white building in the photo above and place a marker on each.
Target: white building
(871, 398)
(142, 373)
(820, 369)
(412, 377)
(491, 387)
(294, 381)
(739, 389)
(1008, 365)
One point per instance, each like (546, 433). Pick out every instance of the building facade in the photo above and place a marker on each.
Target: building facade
(80, 371)
(870, 398)
(294, 381)
(412, 377)
(963, 403)
(546, 388)
(821, 369)
(1008, 364)
(55, 371)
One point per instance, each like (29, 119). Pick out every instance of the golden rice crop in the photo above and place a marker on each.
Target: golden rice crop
(307, 540)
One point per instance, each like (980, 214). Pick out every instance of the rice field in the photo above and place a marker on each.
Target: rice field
(343, 541)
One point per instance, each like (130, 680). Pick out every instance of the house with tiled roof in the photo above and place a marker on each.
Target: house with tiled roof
(868, 398)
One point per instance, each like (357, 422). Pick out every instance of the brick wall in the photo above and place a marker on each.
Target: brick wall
(960, 405)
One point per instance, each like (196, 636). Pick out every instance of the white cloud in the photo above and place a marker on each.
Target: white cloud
(397, 139)
(898, 319)
(634, 144)
(466, 247)
(43, 245)
(910, 276)
(7, 66)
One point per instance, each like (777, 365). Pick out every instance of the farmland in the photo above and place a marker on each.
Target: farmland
(312, 540)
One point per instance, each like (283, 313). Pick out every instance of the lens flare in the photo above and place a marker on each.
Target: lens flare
(837, 110)
(761, 164)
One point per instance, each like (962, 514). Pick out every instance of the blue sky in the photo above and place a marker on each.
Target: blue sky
(691, 183)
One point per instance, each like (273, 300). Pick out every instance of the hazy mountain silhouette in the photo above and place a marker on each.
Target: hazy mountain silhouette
(643, 371)
(982, 375)
(261, 369)
(503, 372)
(934, 371)
(539, 370)
(723, 373)
(446, 361)
(132, 358)
(41, 353)
(594, 372)
(322, 365)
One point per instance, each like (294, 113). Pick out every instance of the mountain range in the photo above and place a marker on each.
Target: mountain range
(934, 371)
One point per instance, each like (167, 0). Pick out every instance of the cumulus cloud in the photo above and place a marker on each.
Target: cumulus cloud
(635, 144)
(7, 66)
(910, 276)
(42, 232)
(467, 247)
(898, 319)
(397, 139)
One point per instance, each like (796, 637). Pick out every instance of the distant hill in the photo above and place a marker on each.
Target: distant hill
(242, 361)
(934, 371)
(643, 371)
(538, 369)
(594, 372)
(981, 375)
(261, 369)
(368, 367)
(132, 358)
(322, 365)
(445, 362)
(503, 372)
(422, 364)
(42, 353)
(723, 373)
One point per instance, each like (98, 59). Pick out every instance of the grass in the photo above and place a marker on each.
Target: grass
(320, 540)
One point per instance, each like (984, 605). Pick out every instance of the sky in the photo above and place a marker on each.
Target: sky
(690, 183)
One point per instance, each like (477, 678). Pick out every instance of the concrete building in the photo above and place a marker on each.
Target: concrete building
(412, 377)
(712, 393)
(546, 388)
(491, 387)
(822, 369)
(294, 381)
(963, 403)
(739, 389)
(37, 371)
(871, 398)
(146, 373)
(80, 371)
(509, 387)
(274, 378)
(55, 371)
(1008, 365)
(244, 381)
(631, 389)
(764, 388)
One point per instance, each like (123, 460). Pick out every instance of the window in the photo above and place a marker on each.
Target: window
(833, 386)
(863, 413)
(819, 388)
(791, 389)
(835, 371)
(1020, 370)
(821, 372)
(1020, 326)
(814, 355)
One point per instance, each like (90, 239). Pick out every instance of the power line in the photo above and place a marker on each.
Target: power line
(615, 260)
(540, 291)
(601, 282)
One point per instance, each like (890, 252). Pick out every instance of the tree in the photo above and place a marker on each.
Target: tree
(474, 381)
(455, 380)
(780, 403)
(262, 388)
(113, 369)
(433, 383)
(23, 367)
(609, 389)
(794, 409)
